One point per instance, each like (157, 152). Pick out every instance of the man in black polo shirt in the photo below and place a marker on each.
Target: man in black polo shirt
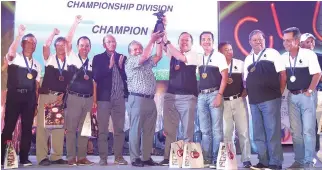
(180, 100)
(265, 76)
(23, 83)
(110, 91)
(79, 101)
(213, 71)
(53, 87)
(235, 112)
(303, 75)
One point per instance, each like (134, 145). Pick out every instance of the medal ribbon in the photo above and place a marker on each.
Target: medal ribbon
(260, 55)
(59, 68)
(292, 68)
(203, 61)
(32, 63)
(231, 68)
(85, 68)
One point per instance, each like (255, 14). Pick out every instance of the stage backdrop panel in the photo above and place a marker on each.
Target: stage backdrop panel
(127, 20)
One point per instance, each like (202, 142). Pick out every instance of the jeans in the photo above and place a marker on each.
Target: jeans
(266, 117)
(302, 112)
(211, 125)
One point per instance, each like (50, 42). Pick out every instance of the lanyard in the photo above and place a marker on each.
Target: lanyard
(59, 68)
(32, 63)
(260, 55)
(203, 61)
(85, 67)
(292, 68)
(231, 67)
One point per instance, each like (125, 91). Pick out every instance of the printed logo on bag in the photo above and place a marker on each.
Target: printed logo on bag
(222, 158)
(194, 154)
(230, 153)
(180, 152)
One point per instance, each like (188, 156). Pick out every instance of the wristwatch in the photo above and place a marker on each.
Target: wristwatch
(310, 91)
(168, 42)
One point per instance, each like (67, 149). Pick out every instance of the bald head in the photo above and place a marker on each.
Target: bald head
(109, 43)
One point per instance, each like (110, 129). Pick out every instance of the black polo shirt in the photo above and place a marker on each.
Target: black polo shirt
(236, 68)
(305, 67)
(217, 63)
(17, 73)
(263, 84)
(79, 84)
(51, 78)
(103, 75)
(183, 78)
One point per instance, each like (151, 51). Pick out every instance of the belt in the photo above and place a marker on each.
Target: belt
(55, 93)
(22, 90)
(205, 91)
(80, 95)
(232, 97)
(142, 95)
(295, 92)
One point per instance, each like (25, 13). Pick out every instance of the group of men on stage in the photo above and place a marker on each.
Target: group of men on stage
(113, 83)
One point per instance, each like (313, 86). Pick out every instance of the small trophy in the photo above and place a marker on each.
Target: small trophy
(159, 26)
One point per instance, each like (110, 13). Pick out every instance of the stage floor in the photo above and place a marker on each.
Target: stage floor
(288, 160)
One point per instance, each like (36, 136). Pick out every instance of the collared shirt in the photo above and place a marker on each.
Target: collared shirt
(263, 84)
(51, 78)
(217, 63)
(79, 84)
(17, 73)
(319, 86)
(140, 78)
(236, 87)
(305, 67)
(183, 80)
(117, 84)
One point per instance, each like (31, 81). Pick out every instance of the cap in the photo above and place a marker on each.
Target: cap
(305, 36)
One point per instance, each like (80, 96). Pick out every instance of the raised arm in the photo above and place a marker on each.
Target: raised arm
(148, 49)
(13, 47)
(70, 35)
(170, 49)
(158, 54)
(46, 47)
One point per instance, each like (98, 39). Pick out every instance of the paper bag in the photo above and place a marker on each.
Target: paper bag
(94, 123)
(226, 159)
(11, 158)
(87, 126)
(176, 154)
(320, 126)
(192, 155)
(54, 116)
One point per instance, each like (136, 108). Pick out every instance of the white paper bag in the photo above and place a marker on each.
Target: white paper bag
(87, 127)
(176, 154)
(320, 126)
(11, 158)
(192, 156)
(226, 159)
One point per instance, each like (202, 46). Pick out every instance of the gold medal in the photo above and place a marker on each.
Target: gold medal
(204, 75)
(86, 77)
(252, 69)
(230, 80)
(29, 76)
(61, 78)
(177, 67)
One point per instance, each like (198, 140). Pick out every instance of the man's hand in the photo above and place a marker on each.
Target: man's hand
(307, 94)
(121, 61)
(56, 31)
(244, 93)
(78, 19)
(112, 61)
(21, 30)
(157, 35)
(218, 100)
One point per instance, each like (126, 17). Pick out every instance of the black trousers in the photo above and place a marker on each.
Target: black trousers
(23, 104)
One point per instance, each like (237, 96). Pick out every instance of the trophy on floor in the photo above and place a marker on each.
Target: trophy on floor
(159, 26)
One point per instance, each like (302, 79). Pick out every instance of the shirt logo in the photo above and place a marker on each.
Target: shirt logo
(235, 68)
(300, 61)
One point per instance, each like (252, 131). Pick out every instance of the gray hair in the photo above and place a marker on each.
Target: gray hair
(132, 43)
(256, 32)
(108, 35)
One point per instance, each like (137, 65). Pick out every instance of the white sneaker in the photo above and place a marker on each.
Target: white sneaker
(319, 155)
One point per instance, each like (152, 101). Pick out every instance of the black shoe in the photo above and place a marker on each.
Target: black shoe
(150, 162)
(26, 163)
(274, 167)
(60, 162)
(45, 162)
(259, 166)
(165, 162)
(138, 162)
(247, 164)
